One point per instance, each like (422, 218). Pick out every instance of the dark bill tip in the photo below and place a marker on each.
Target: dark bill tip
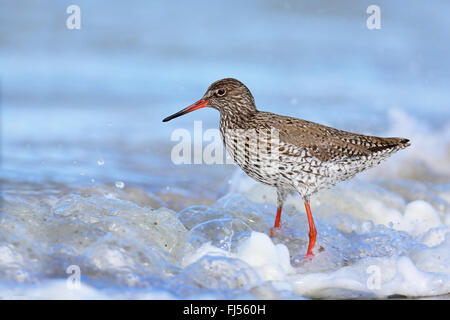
(199, 104)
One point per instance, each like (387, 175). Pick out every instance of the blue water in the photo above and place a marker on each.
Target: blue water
(70, 98)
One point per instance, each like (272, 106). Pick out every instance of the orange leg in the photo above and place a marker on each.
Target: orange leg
(278, 218)
(312, 231)
(277, 223)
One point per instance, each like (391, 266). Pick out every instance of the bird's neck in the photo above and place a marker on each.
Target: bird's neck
(239, 119)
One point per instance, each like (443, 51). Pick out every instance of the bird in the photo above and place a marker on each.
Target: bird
(293, 155)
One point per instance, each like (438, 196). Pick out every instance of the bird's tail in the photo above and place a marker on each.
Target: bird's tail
(390, 143)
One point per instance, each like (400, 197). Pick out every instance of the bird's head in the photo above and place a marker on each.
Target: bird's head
(227, 95)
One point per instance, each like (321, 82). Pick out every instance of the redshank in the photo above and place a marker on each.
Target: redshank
(290, 154)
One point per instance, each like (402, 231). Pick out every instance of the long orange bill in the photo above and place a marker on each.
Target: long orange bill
(199, 104)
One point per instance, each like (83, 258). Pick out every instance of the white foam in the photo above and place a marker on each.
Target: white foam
(271, 261)
(419, 217)
(383, 233)
(368, 277)
(58, 289)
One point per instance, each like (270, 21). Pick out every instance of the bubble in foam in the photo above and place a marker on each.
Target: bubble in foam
(120, 184)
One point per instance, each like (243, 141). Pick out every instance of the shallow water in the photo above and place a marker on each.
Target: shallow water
(87, 178)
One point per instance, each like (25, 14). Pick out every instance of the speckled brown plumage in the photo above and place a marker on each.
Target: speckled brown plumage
(292, 155)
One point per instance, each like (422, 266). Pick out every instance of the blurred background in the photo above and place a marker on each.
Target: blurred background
(81, 110)
(73, 97)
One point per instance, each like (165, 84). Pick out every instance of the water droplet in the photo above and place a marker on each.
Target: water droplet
(120, 184)
(366, 226)
(100, 162)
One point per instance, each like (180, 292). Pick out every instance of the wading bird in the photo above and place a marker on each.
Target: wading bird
(290, 154)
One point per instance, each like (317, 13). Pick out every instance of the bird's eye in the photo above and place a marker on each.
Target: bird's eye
(221, 92)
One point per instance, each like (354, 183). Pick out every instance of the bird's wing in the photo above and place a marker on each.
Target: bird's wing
(326, 143)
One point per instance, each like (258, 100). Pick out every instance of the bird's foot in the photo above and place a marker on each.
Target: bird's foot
(274, 231)
(309, 254)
